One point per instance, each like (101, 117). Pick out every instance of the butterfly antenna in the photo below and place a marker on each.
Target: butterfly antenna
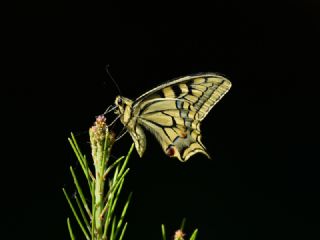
(112, 79)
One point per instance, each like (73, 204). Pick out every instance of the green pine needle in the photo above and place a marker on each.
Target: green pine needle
(123, 231)
(182, 224)
(75, 214)
(70, 230)
(194, 234)
(84, 217)
(163, 230)
(80, 192)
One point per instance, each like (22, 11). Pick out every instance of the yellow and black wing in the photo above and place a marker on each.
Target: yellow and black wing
(173, 112)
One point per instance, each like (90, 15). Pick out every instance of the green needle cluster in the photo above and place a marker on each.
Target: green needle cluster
(97, 218)
(95, 214)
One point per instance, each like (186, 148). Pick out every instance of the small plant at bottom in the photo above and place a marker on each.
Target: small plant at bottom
(179, 234)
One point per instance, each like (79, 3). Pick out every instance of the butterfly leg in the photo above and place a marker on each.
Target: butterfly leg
(122, 133)
(109, 109)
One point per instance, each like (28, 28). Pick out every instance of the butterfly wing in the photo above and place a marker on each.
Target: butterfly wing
(173, 112)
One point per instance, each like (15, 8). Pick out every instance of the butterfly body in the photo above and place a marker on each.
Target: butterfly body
(172, 112)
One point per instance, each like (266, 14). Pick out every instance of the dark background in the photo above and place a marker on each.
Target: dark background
(263, 181)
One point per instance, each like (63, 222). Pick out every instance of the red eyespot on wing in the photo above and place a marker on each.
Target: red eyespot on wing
(170, 151)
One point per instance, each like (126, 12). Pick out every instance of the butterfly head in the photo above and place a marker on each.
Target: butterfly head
(119, 105)
(123, 106)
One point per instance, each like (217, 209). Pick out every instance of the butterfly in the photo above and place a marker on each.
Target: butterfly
(173, 112)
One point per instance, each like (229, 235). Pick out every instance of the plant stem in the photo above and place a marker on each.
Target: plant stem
(99, 193)
(100, 222)
(101, 143)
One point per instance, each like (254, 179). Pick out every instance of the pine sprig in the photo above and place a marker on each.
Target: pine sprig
(98, 220)
(95, 214)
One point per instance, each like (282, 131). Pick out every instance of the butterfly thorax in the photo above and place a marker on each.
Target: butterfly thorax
(129, 118)
(124, 109)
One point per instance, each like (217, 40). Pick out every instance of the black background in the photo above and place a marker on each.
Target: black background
(263, 181)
